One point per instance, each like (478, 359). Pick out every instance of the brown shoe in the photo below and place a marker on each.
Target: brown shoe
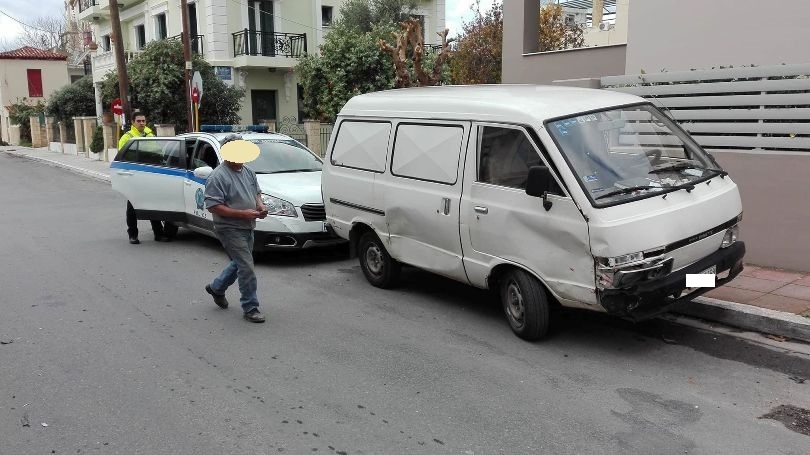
(219, 299)
(254, 315)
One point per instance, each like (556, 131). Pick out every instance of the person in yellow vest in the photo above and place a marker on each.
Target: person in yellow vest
(164, 230)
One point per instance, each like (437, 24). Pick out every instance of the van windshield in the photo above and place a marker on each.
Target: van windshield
(629, 153)
(283, 156)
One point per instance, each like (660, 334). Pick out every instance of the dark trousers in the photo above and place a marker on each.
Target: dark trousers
(161, 228)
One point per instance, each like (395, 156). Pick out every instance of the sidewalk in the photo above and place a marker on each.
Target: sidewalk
(767, 300)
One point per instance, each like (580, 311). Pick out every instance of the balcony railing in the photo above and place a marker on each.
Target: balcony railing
(266, 44)
(84, 4)
(195, 42)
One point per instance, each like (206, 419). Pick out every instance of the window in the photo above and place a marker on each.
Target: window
(570, 20)
(160, 26)
(106, 43)
(206, 156)
(427, 152)
(140, 36)
(156, 152)
(34, 83)
(505, 156)
(362, 145)
(326, 16)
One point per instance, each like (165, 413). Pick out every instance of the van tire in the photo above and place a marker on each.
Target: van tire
(380, 269)
(525, 304)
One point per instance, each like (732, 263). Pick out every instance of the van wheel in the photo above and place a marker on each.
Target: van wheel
(378, 266)
(525, 304)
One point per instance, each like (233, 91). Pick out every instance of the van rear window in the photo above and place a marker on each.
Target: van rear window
(427, 152)
(362, 145)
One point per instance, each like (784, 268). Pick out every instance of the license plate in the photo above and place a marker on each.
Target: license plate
(710, 271)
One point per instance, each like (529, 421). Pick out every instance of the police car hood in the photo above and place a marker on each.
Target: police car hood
(297, 188)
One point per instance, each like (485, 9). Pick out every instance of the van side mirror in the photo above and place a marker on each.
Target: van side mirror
(540, 182)
(203, 172)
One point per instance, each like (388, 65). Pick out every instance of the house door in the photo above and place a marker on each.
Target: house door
(260, 24)
(263, 103)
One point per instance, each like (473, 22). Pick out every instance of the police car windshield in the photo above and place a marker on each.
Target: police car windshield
(279, 156)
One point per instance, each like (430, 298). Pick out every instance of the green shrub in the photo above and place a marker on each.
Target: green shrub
(19, 113)
(75, 100)
(97, 145)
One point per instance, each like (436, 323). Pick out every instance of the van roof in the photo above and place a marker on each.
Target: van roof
(528, 104)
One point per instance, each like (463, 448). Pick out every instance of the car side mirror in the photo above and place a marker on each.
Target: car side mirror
(539, 183)
(203, 172)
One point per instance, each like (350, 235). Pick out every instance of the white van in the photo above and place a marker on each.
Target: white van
(164, 179)
(587, 198)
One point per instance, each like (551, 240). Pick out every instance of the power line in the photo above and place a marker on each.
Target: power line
(24, 24)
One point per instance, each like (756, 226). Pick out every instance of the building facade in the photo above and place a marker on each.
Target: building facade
(253, 44)
(29, 74)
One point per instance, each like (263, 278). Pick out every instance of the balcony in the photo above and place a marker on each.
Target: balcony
(103, 63)
(265, 49)
(93, 9)
(196, 43)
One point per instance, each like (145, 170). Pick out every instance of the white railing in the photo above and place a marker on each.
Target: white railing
(105, 62)
(747, 108)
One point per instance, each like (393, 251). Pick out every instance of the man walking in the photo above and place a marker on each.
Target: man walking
(233, 196)
(162, 233)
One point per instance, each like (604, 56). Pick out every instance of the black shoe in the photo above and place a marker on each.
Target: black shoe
(254, 315)
(219, 299)
(134, 240)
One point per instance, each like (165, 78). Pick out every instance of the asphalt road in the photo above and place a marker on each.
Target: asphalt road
(119, 350)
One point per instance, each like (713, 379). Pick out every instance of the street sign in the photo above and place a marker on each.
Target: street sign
(117, 107)
(195, 95)
(197, 83)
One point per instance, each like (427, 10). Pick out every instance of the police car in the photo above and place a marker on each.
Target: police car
(164, 179)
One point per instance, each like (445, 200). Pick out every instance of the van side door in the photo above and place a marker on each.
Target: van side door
(421, 195)
(500, 223)
(204, 154)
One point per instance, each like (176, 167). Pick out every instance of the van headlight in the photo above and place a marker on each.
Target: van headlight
(278, 207)
(621, 260)
(731, 236)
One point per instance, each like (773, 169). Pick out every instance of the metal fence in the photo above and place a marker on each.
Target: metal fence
(267, 44)
(764, 108)
(326, 134)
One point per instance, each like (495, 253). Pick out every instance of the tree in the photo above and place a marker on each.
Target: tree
(46, 32)
(554, 35)
(478, 55)
(74, 100)
(157, 87)
(410, 71)
(363, 15)
(350, 63)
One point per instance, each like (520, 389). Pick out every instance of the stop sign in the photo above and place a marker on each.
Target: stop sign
(195, 95)
(117, 108)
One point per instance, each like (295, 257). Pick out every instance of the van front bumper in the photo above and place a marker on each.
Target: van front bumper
(651, 298)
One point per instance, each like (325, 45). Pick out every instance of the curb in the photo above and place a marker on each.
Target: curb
(748, 317)
(93, 174)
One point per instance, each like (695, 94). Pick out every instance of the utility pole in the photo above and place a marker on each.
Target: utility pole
(121, 65)
(187, 57)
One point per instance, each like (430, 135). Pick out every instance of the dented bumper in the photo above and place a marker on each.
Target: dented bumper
(650, 298)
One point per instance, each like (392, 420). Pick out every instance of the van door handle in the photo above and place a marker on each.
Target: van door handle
(481, 210)
(444, 208)
(124, 173)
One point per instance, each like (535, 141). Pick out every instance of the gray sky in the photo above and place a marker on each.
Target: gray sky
(25, 11)
(457, 11)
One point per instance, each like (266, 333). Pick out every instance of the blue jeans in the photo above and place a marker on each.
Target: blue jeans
(238, 244)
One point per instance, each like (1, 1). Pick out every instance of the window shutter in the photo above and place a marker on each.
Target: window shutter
(34, 83)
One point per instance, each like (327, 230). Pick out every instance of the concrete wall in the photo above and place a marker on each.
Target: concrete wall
(686, 34)
(775, 209)
(14, 83)
(523, 64)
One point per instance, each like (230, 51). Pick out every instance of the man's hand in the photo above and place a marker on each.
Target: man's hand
(251, 214)
(262, 211)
